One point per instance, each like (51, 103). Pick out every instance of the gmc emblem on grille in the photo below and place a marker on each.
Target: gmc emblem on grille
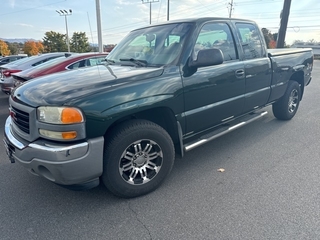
(13, 115)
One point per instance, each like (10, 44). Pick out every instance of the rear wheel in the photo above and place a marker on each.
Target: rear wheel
(138, 156)
(286, 107)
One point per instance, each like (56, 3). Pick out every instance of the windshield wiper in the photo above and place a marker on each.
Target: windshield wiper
(110, 61)
(140, 63)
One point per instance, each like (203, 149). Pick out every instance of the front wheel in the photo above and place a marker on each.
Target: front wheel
(138, 156)
(286, 107)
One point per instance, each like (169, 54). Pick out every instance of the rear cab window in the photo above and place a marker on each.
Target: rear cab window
(250, 39)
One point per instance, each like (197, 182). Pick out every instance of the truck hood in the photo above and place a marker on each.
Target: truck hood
(61, 88)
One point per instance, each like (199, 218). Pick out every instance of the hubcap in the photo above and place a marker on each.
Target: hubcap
(140, 162)
(293, 100)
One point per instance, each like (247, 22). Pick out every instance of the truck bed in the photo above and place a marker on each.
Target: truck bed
(285, 51)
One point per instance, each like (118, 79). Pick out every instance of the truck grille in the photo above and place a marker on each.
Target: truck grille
(21, 119)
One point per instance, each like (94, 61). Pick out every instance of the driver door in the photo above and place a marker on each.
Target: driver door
(214, 94)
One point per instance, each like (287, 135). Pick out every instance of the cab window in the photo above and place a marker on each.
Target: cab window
(250, 40)
(216, 35)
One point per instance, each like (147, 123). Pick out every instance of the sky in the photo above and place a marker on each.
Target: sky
(32, 18)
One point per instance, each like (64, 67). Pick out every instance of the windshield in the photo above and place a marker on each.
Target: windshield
(17, 62)
(50, 63)
(153, 46)
(46, 65)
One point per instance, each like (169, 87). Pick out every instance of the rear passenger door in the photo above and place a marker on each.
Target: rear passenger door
(257, 66)
(214, 94)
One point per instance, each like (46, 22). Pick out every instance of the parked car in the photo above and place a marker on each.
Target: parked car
(6, 80)
(165, 90)
(12, 58)
(58, 65)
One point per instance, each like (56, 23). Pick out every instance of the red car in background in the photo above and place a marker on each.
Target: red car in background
(6, 80)
(58, 65)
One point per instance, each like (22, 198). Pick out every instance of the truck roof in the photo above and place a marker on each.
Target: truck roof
(196, 21)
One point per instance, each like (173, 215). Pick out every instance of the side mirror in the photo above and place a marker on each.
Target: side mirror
(207, 57)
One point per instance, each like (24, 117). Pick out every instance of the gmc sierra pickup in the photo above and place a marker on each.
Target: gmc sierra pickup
(164, 90)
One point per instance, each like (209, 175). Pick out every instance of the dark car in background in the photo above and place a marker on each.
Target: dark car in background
(58, 65)
(6, 80)
(12, 58)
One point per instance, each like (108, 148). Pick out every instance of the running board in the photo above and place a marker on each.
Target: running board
(224, 129)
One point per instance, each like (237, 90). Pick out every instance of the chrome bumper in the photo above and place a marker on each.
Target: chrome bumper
(61, 163)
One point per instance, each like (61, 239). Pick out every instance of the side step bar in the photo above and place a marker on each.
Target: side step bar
(224, 129)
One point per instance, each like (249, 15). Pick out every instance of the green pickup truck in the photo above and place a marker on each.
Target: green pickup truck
(164, 90)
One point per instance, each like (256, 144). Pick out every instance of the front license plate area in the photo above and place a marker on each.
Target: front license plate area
(9, 150)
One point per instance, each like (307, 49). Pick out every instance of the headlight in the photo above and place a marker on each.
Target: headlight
(60, 115)
(17, 83)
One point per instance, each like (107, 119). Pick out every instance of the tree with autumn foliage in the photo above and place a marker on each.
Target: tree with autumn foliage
(40, 47)
(272, 44)
(33, 48)
(268, 37)
(4, 49)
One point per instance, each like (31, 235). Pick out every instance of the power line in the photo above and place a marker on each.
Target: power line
(203, 8)
(313, 26)
(142, 22)
(27, 9)
(255, 2)
(150, 3)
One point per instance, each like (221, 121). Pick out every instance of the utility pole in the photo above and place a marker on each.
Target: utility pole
(231, 7)
(284, 16)
(150, 2)
(65, 13)
(168, 10)
(99, 26)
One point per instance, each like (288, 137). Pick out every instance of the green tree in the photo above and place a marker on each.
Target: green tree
(4, 50)
(79, 43)
(275, 36)
(14, 47)
(54, 42)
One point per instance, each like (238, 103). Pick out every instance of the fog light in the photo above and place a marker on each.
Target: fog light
(58, 135)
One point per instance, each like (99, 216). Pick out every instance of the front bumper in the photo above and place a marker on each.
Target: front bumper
(61, 163)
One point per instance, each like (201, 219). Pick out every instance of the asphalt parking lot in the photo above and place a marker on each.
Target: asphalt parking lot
(269, 190)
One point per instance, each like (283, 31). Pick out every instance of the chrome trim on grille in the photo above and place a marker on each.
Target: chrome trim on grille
(26, 114)
(10, 137)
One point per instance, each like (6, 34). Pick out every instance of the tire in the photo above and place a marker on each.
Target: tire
(138, 155)
(286, 107)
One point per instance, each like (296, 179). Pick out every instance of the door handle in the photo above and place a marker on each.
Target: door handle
(239, 73)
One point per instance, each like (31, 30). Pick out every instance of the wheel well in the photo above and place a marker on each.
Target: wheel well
(162, 116)
(299, 77)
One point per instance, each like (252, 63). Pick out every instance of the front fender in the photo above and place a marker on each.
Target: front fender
(135, 106)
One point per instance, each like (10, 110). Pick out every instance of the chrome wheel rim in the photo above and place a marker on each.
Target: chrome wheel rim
(141, 162)
(293, 101)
